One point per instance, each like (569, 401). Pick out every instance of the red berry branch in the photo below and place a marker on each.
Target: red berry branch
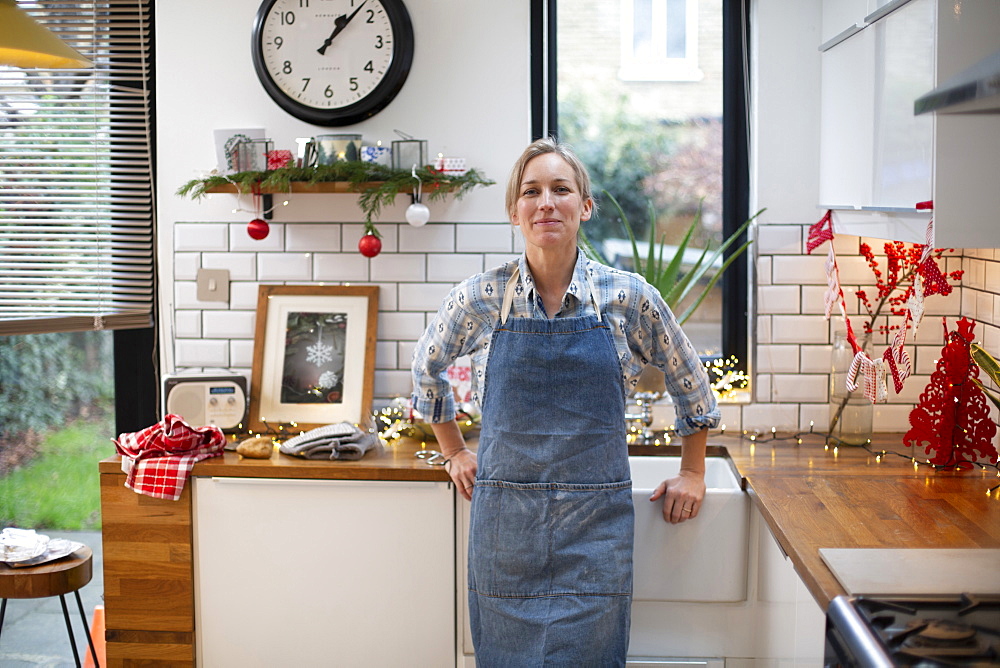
(895, 286)
(903, 265)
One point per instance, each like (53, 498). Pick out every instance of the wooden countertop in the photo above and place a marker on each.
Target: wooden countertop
(815, 498)
(398, 462)
(811, 497)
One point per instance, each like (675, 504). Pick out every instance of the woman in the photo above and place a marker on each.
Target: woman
(556, 341)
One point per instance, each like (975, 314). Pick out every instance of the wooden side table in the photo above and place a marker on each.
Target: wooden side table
(56, 578)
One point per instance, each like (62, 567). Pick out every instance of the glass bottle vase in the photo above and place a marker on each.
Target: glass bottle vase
(850, 412)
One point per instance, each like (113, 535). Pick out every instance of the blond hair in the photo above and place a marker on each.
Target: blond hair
(541, 147)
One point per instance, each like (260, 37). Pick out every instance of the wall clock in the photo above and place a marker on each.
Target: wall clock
(332, 62)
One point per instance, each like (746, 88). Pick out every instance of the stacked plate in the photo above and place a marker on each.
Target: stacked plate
(26, 547)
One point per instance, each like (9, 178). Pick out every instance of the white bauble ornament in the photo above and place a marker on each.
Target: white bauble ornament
(417, 214)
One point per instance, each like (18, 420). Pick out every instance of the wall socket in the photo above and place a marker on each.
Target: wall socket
(213, 285)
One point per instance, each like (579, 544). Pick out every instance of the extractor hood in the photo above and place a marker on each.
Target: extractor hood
(975, 90)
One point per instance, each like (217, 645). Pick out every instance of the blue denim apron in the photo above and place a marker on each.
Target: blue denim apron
(550, 547)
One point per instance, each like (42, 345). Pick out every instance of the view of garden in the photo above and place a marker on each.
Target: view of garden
(56, 422)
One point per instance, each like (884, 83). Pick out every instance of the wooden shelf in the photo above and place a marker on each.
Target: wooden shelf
(322, 187)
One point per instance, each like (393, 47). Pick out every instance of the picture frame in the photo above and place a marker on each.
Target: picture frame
(313, 356)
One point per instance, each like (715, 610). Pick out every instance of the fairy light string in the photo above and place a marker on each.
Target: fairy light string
(833, 444)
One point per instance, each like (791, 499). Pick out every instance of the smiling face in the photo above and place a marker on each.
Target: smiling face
(549, 205)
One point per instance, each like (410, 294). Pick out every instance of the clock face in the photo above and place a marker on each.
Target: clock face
(332, 62)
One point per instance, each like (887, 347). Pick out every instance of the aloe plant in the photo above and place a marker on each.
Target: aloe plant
(665, 273)
(991, 367)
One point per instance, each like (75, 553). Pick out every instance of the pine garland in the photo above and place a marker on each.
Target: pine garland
(377, 184)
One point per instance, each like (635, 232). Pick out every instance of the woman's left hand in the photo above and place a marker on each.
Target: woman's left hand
(682, 496)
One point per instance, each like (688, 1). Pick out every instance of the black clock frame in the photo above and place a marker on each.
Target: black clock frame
(371, 104)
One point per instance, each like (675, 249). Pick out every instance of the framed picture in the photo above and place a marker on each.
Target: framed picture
(313, 355)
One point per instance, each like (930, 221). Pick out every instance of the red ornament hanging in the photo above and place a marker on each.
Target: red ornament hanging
(258, 228)
(370, 243)
(952, 421)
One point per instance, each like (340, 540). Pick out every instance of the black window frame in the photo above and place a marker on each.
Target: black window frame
(136, 352)
(735, 146)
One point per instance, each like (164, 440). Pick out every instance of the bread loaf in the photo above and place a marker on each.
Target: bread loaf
(258, 447)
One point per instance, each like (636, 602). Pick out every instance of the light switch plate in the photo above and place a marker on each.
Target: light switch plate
(213, 285)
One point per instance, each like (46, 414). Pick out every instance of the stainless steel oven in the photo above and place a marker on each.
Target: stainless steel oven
(927, 631)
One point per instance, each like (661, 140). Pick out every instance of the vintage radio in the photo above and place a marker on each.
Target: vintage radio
(203, 400)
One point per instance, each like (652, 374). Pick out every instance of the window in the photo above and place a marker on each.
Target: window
(659, 40)
(76, 212)
(664, 140)
(76, 201)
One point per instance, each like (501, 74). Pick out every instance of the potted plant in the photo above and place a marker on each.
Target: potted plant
(991, 367)
(679, 288)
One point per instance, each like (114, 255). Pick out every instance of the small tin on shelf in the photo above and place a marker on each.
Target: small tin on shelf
(408, 152)
(251, 154)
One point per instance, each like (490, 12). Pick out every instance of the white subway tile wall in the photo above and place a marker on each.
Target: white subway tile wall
(783, 331)
(417, 267)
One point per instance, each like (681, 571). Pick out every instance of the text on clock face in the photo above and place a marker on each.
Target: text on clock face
(327, 53)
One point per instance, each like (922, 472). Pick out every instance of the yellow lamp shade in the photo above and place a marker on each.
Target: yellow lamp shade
(26, 43)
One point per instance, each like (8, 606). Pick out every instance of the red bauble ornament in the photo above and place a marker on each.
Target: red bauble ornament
(370, 245)
(258, 229)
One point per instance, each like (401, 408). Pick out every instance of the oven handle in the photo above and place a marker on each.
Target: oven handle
(856, 634)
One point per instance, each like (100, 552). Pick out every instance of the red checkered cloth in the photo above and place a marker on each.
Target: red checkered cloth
(158, 459)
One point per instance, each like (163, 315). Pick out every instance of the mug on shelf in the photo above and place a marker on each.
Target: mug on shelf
(378, 154)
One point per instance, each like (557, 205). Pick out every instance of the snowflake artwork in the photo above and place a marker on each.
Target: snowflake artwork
(319, 354)
(313, 370)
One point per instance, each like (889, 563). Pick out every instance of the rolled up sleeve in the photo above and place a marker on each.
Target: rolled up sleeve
(669, 349)
(452, 333)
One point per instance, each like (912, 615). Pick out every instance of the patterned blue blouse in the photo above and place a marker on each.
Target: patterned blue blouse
(642, 326)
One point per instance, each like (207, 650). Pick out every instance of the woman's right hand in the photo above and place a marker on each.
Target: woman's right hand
(461, 466)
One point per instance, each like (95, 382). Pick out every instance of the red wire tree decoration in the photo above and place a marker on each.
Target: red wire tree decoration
(952, 421)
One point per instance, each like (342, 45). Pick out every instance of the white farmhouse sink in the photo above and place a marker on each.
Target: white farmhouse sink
(704, 559)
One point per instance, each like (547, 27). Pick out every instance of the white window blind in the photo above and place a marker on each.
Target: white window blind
(76, 196)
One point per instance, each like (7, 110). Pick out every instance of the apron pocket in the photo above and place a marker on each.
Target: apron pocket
(551, 539)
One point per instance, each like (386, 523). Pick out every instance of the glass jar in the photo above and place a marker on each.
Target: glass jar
(850, 412)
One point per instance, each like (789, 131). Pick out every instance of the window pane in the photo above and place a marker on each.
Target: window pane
(642, 28)
(676, 28)
(647, 143)
(56, 422)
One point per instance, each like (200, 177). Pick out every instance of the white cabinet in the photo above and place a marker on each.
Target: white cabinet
(322, 573)
(790, 625)
(877, 158)
(967, 150)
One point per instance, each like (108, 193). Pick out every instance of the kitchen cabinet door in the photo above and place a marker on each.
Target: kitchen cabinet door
(966, 197)
(874, 153)
(322, 572)
(789, 624)
(847, 122)
(903, 154)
